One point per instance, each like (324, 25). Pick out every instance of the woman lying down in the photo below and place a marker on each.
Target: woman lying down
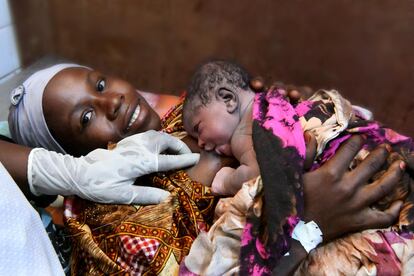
(155, 239)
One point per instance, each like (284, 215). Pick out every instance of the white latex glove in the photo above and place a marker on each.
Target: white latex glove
(107, 176)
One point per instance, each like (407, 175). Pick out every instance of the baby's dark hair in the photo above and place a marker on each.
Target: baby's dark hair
(212, 73)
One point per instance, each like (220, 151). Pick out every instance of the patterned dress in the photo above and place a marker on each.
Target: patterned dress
(140, 240)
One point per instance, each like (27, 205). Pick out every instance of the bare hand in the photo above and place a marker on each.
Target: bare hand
(294, 93)
(220, 185)
(339, 200)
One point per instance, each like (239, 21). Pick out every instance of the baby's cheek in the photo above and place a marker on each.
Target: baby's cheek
(224, 135)
(226, 150)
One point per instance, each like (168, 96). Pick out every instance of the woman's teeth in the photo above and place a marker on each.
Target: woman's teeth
(134, 116)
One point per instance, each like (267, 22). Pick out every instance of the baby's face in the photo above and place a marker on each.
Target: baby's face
(212, 126)
(86, 109)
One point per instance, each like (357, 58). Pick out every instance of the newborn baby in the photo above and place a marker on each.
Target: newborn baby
(218, 112)
(265, 133)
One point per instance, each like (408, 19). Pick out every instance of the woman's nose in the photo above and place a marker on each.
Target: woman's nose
(112, 102)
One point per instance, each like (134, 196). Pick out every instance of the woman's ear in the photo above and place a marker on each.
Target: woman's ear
(230, 98)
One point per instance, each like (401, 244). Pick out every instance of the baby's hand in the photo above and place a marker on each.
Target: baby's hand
(220, 182)
(294, 93)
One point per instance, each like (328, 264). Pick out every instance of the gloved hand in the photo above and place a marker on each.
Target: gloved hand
(107, 176)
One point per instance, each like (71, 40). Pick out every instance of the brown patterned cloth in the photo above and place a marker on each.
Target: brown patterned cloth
(141, 240)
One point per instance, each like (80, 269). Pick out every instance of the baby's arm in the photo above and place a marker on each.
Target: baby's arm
(210, 163)
(228, 180)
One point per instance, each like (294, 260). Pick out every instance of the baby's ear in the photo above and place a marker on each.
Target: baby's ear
(230, 99)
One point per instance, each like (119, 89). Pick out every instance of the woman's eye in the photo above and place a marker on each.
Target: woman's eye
(86, 117)
(100, 85)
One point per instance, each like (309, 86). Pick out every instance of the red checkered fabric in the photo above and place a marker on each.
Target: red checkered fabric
(136, 253)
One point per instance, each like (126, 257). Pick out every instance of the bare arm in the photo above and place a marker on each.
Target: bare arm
(228, 180)
(339, 201)
(205, 170)
(210, 163)
(60, 174)
(14, 158)
(288, 264)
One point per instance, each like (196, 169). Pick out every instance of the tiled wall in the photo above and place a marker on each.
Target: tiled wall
(9, 58)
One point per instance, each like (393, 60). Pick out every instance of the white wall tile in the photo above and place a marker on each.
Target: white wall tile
(9, 59)
(5, 18)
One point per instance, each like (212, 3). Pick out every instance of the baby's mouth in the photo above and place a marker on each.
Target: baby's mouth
(218, 152)
(223, 150)
(134, 116)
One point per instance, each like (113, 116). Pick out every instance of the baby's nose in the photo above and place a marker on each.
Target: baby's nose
(200, 143)
(205, 146)
(208, 147)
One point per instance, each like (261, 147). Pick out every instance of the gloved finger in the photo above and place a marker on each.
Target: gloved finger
(146, 195)
(172, 162)
(173, 145)
(130, 194)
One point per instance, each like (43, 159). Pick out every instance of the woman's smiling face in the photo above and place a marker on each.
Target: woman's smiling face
(85, 110)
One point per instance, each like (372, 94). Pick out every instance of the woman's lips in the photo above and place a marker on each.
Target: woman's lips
(138, 119)
(134, 116)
